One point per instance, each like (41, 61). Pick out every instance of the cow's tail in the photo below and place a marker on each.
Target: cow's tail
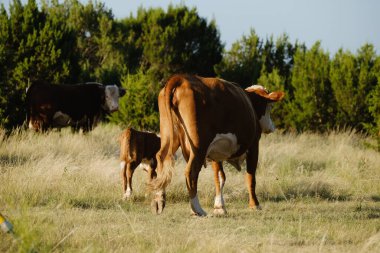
(167, 162)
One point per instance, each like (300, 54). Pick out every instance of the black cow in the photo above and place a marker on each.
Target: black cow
(78, 106)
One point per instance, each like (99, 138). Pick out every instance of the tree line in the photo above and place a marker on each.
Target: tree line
(72, 42)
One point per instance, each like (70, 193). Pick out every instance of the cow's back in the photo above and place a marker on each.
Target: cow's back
(79, 100)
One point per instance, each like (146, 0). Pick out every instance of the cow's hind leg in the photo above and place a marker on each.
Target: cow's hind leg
(252, 158)
(193, 168)
(151, 174)
(159, 198)
(219, 180)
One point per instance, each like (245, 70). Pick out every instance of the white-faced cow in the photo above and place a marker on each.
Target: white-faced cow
(137, 148)
(78, 106)
(220, 122)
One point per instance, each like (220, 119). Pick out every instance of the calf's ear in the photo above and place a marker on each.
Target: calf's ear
(121, 92)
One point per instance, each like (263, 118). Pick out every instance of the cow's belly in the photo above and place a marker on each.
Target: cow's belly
(61, 119)
(222, 147)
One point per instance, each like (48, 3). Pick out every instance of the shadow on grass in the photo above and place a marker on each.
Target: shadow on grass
(11, 161)
(299, 190)
(92, 204)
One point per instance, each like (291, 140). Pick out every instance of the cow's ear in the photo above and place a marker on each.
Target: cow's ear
(273, 96)
(276, 95)
(121, 92)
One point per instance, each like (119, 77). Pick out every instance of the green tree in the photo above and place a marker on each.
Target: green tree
(311, 107)
(178, 41)
(94, 28)
(5, 55)
(374, 103)
(367, 80)
(23, 23)
(38, 46)
(242, 64)
(352, 79)
(344, 78)
(138, 108)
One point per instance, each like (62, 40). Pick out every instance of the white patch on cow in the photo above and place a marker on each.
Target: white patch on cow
(128, 192)
(222, 147)
(266, 123)
(122, 165)
(145, 165)
(159, 193)
(31, 125)
(111, 98)
(219, 201)
(258, 87)
(61, 119)
(196, 207)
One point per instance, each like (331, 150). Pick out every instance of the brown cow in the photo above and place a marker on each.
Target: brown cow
(220, 122)
(137, 148)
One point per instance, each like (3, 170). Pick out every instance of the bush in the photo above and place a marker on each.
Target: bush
(138, 108)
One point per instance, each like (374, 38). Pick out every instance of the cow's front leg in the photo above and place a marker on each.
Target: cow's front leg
(252, 159)
(219, 180)
(193, 168)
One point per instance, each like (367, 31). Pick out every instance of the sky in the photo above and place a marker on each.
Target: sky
(347, 24)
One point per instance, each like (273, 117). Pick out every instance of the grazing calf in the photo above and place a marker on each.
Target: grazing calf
(137, 148)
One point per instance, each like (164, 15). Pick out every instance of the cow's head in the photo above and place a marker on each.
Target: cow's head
(262, 102)
(112, 94)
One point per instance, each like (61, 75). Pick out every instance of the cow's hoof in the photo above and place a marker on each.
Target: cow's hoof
(220, 211)
(157, 206)
(200, 213)
(154, 206)
(258, 208)
(127, 196)
(158, 203)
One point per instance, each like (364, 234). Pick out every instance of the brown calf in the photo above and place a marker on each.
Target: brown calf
(137, 148)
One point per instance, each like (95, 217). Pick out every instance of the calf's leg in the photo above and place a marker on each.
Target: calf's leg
(127, 170)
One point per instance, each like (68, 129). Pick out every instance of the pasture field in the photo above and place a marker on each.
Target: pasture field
(62, 193)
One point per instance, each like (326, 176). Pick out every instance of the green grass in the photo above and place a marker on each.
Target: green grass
(62, 193)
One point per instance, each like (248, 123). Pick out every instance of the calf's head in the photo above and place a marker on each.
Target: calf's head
(262, 102)
(112, 94)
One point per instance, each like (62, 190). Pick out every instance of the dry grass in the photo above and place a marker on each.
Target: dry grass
(62, 192)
